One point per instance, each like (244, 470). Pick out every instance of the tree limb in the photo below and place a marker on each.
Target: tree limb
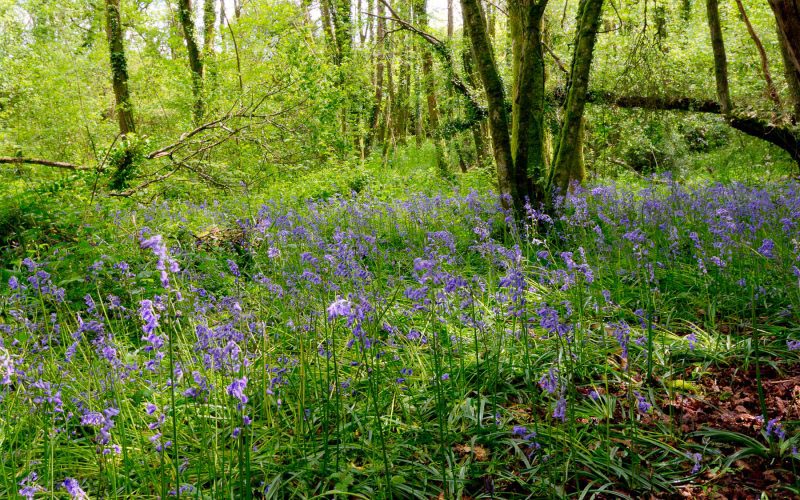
(784, 136)
(651, 102)
(39, 161)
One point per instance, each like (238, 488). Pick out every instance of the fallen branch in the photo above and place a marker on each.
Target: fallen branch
(786, 137)
(39, 161)
(654, 102)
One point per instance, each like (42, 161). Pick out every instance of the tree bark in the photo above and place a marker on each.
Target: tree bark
(209, 26)
(720, 58)
(343, 26)
(791, 71)
(787, 17)
(421, 15)
(449, 20)
(39, 161)
(527, 118)
(498, 120)
(119, 68)
(327, 28)
(568, 159)
(375, 128)
(784, 137)
(186, 18)
(653, 102)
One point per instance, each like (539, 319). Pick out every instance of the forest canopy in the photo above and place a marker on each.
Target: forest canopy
(121, 88)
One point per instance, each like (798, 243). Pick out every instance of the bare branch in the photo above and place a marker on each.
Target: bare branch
(555, 58)
(39, 161)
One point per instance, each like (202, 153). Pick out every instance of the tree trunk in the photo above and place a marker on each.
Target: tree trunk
(783, 137)
(403, 90)
(379, 62)
(119, 68)
(475, 27)
(478, 136)
(421, 16)
(343, 26)
(327, 27)
(720, 59)
(209, 25)
(527, 119)
(787, 17)
(186, 18)
(791, 70)
(568, 159)
(449, 20)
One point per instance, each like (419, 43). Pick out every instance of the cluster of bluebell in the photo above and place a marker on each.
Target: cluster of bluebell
(350, 313)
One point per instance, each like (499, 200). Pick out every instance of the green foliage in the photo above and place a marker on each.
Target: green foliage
(125, 159)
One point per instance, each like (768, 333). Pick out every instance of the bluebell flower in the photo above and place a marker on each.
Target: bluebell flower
(560, 411)
(641, 402)
(236, 390)
(340, 308)
(697, 458)
(774, 428)
(767, 247)
(549, 381)
(74, 489)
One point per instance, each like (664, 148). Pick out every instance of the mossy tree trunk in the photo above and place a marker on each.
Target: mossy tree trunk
(527, 118)
(568, 158)
(478, 136)
(375, 131)
(209, 27)
(119, 68)
(342, 24)
(498, 119)
(720, 58)
(186, 18)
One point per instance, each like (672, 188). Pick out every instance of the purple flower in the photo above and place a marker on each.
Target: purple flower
(774, 428)
(236, 390)
(29, 486)
(767, 246)
(560, 411)
(641, 402)
(234, 268)
(74, 489)
(340, 308)
(93, 418)
(148, 315)
(622, 332)
(697, 458)
(549, 381)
